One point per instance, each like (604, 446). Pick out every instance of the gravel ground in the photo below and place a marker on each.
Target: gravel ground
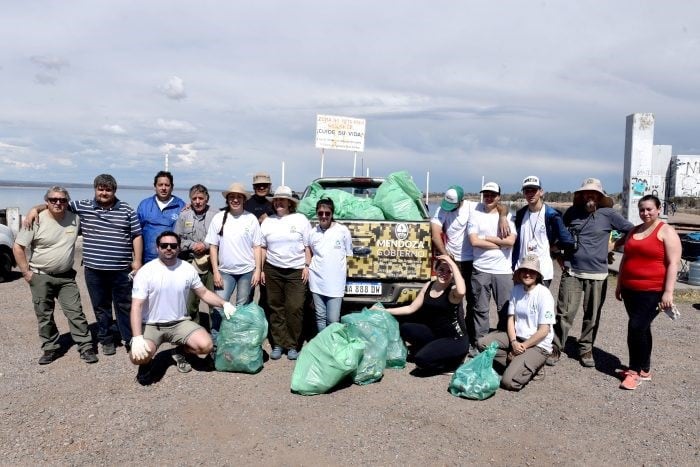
(73, 413)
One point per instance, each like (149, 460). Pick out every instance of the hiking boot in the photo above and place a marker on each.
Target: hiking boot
(292, 354)
(631, 380)
(48, 357)
(143, 376)
(88, 356)
(276, 353)
(183, 366)
(554, 356)
(587, 359)
(109, 349)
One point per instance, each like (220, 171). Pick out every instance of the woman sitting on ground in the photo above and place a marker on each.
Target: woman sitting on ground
(524, 347)
(434, 329)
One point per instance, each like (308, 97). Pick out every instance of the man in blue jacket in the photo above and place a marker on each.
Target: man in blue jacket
(158, 213)
(540, 230)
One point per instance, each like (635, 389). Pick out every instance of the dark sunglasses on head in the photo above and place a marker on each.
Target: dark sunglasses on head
(324, 213)
(58, 200)
(172, 246)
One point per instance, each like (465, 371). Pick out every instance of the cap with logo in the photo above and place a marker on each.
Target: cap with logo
(491, 186)
(532, 181)
(453, 196)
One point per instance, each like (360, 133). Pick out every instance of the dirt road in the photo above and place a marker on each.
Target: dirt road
(69, 412)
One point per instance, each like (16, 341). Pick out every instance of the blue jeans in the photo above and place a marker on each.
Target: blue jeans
(107, 288)
(327, 310)
(243, 297)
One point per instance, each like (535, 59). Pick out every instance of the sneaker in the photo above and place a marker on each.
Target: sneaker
(88, 355)
(48, 357)
(109, 349)
(645, 375)
(143, 376)
(554, 356)
(276, 353)
(292, 354)
(183, 366)
(587, 359)
(631, 380)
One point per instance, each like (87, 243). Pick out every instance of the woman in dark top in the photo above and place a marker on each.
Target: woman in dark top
(434, 327)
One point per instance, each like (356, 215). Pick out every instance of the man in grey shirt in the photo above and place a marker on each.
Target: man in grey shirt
(590, 221)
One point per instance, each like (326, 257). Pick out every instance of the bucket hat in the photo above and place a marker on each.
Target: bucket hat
(235, 188)
(531, 262)
(284, 192)
(262, 177)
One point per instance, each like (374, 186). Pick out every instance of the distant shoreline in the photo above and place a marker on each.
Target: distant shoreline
(44, 184)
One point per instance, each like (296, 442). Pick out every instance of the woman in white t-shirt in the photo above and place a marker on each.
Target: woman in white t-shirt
(286, 259)
(330, 244)
(235, 251)
(525, 346)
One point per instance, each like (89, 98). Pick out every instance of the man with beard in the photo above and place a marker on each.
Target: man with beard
(590, 221)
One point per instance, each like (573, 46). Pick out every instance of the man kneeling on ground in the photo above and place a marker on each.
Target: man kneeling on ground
(159, 309)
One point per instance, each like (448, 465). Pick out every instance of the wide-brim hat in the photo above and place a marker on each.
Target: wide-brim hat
(262, 177)
(593, 184)
(531, 262)
(284, 192)
(235, 188)
(453, 197)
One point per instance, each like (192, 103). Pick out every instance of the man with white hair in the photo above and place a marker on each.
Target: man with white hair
(590, 221)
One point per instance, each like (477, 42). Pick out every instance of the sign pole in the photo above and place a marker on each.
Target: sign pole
(427, 187)
(354, 164)
(282, 172)
(323, 157)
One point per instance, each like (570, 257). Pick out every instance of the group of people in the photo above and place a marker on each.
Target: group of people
(153, 265)
(513, 263)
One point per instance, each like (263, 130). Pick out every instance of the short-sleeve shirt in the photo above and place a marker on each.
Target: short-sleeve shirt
(532, 309)
(328, 269)
(492, 261)
(285, 239)
(236, 246)
(165, 290)
(454, 224)
(534, 241)
(52, 242)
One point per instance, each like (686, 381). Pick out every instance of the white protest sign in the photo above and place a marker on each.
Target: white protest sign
(344, 133)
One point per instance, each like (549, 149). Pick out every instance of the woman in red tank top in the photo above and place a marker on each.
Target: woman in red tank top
(645, 284)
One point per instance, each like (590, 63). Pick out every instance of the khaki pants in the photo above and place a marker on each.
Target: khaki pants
(570, 291)
(522, 368)
(46, 289)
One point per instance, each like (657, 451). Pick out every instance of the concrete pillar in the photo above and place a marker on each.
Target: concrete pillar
(637, 175)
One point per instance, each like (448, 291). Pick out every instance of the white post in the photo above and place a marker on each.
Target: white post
(481, 197)
(282, 172)
(427, 187)
(367, 172)
(323, 157)
(166, 161)
(354, 163)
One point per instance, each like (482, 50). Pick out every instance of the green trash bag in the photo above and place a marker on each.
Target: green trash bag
(326, 360)
(396, 351)
(397, 198)
(371, 368)
(307, 206)
(476, 379)
(239, 345)
(362, 208)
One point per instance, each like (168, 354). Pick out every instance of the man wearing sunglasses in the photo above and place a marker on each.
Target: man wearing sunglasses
(51, 276)
(258, 204)
(159, 308)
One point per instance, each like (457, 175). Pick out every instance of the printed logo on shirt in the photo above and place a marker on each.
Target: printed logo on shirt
(189, 223)
(338, 245)
(548, 314)
(174, 217)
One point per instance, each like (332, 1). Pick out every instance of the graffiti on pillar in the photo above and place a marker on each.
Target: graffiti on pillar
(690, 179)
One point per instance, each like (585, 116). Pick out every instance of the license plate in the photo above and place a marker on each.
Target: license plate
(363, 288)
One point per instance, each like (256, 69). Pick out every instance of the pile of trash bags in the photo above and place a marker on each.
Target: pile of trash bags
(396, 199)
(239, 345)
(361, 346)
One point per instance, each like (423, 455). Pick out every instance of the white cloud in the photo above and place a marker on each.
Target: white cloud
(21, 164)
(174, 88)
(44, 79)
(114, 129)
(175, 125)
(49, 63)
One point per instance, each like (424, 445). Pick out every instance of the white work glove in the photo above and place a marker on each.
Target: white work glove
(138, 348)
(229, 310)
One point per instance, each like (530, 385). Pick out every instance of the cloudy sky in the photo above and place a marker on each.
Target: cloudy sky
(500, 89)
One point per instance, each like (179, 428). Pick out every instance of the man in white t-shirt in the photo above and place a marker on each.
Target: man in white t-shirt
(492, 274)
(159, 308)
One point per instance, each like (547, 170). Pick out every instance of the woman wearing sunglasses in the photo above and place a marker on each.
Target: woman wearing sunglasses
(330, 245)
(435, 327)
